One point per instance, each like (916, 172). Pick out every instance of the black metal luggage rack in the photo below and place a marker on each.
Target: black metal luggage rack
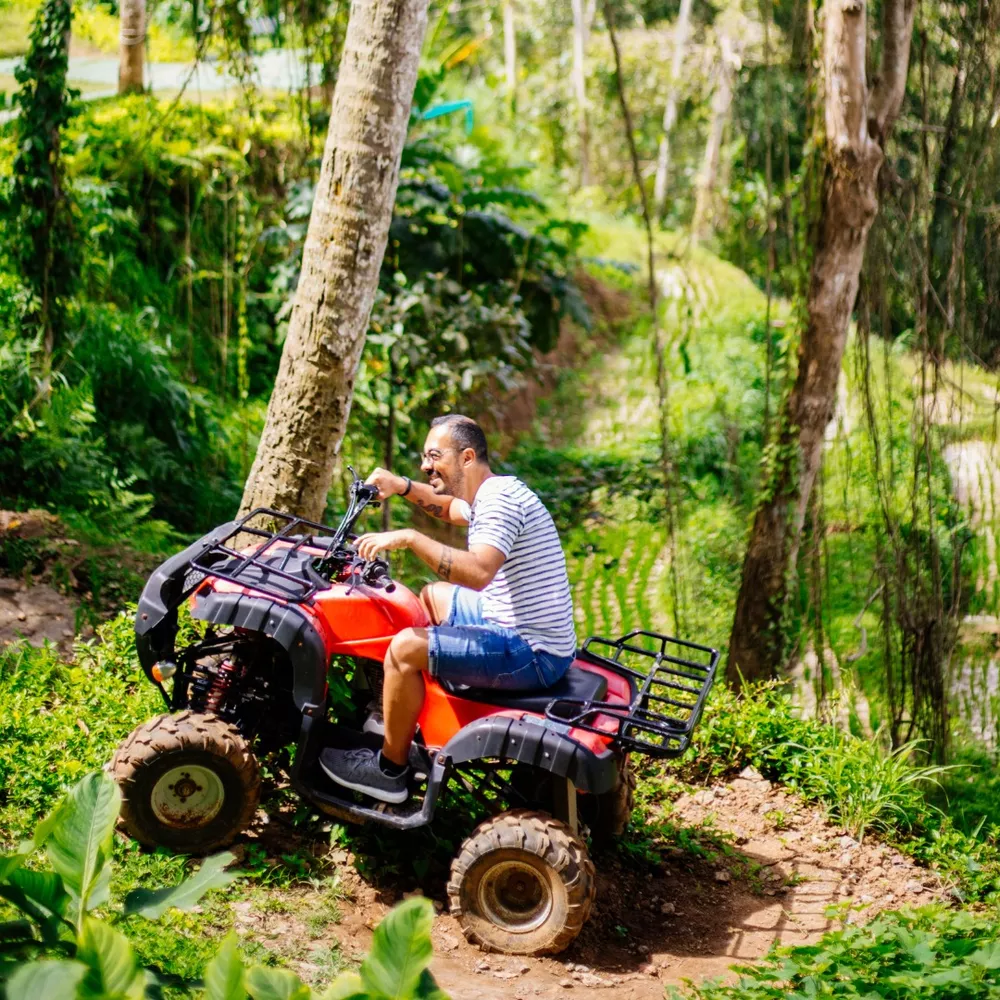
(266, 569)
(284, 573)
(670, 680)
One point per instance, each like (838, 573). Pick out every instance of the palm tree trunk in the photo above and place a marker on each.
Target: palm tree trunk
(858, 122)
(681, 30)
(132, 46)
(341, 259)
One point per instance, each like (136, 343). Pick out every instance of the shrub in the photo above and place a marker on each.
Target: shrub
(61, 949)
(928, 954)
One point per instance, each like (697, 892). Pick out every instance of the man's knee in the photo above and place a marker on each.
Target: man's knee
(436, 599)
(408, 650)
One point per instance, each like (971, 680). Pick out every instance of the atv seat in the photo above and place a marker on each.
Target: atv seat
(578, 684)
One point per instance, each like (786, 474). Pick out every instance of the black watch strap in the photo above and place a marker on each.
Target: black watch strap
(409, 483)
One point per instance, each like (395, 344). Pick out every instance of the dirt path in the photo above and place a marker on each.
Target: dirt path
(38, 614)
(672, 916)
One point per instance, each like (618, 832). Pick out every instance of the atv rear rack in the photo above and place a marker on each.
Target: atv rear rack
(670, 680)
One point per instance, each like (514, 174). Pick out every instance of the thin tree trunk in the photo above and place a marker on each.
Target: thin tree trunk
(509, 49)
(132, 46)
(681, 31)
(722, 102)
(581, 31)
(343, 252)
(857, 124)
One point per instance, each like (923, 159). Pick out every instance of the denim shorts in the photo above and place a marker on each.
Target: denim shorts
(467, 649)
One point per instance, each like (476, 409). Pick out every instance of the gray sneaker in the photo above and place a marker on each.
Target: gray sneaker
(359, 770)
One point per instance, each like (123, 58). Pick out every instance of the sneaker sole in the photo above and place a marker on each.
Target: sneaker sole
(393, 798)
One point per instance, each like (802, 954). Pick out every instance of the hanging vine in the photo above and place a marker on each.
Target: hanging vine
(40, 204)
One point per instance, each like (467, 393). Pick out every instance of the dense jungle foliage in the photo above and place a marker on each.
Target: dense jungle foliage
(150, 251)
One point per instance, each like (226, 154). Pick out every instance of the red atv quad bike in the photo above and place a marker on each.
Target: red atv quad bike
(298, 627)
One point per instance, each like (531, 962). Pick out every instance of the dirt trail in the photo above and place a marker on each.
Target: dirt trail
(38, 614)
(679, 916)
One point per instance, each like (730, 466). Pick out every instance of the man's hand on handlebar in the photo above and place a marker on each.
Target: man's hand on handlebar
(369, 546)
(387, 483)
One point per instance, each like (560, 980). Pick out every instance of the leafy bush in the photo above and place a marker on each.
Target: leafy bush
(928, 954)
(95, 960)
(61, 720)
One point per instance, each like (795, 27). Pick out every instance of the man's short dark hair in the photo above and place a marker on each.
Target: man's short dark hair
(466, 433)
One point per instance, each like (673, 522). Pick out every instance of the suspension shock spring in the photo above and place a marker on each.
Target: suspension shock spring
(224, 674)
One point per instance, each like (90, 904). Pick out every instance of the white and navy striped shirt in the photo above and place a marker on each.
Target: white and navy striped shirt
(530, 592)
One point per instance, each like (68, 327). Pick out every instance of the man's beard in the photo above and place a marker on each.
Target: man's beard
(452, 486)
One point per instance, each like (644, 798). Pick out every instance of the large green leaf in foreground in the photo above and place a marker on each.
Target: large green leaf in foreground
(153, 903)
(79, 844)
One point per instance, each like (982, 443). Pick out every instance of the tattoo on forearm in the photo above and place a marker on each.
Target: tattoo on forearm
(434, 509)
(444, 565)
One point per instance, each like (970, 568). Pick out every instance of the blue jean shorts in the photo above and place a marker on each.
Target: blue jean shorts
(467, 649)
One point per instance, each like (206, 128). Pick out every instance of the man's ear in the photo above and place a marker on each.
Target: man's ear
(468, 456)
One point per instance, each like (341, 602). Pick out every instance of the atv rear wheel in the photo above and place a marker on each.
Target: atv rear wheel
(522, 884)
(189, 782)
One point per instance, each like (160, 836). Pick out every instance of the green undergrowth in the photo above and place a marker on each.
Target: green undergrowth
(927, 954)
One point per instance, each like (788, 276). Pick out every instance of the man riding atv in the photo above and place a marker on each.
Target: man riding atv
(503, 615)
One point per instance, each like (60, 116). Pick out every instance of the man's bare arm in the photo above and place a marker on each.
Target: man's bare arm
(474, 567)
(434, 503)
(443, 507)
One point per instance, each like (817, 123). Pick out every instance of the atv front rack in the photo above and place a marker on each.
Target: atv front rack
(279, 568)
(273, 569)
(669, 679)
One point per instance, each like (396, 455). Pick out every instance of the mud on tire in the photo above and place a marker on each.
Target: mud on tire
(522, 884)
(189, 782)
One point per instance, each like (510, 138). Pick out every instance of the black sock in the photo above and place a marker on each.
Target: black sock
(390, 769)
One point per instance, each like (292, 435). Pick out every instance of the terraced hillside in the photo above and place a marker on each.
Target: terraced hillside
(595, 453)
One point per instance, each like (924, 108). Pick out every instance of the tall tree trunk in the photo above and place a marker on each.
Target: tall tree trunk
(510, 49)
(343, 252)
(681, 30)
(581, 31)
(857, 122)
(722, 102)
(132, 46)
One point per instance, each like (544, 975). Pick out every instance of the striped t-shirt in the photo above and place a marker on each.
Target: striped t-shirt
(530, 592)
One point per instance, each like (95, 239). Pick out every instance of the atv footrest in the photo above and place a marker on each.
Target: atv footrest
(411, 814)
(314, 784)
(670, 679)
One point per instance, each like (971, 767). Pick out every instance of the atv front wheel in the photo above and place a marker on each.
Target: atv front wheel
(189, 782)
(522, 884)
